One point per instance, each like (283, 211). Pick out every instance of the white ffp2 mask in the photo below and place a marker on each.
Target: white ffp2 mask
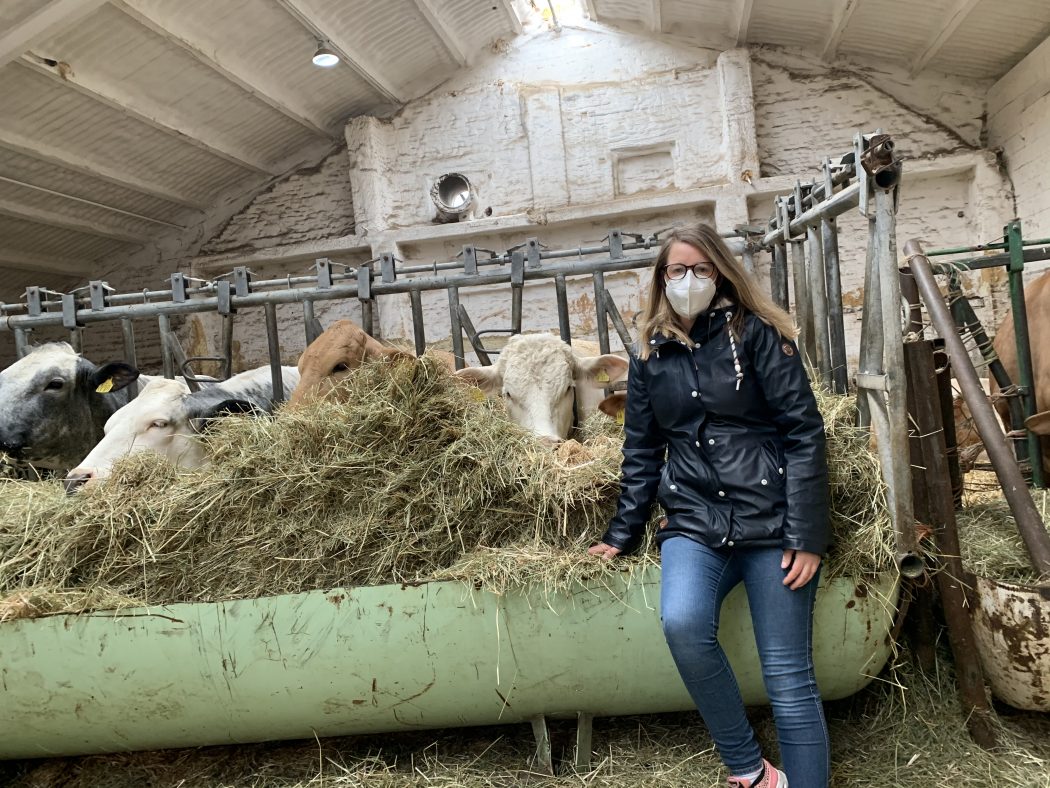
(690, 295)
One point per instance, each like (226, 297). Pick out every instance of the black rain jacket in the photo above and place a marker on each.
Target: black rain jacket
(731, 466)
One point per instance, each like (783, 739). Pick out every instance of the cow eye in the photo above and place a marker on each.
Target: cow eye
(54, 385)
(507, 396)
(340, 367)
(159, 424)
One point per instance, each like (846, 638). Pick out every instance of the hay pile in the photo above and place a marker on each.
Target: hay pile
(412, 479)
(991, 544)
(905, 729)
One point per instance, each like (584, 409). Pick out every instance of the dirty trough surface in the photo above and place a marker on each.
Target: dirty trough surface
(903, 730)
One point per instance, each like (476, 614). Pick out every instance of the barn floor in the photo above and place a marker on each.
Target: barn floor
(883, 737)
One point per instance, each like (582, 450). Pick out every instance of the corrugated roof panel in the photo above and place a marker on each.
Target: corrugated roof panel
(994, 38)
(42, 239)
(153, 74)
(894, 30)
(475, 23)
(790, 22)
(392, 37)
(622, 10)
(707, 20)
(273, 48)
(39, 109)
(95, 216)
(14, 11)
(49, 176)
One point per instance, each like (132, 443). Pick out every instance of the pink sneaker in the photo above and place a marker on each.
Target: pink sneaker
(772, 777)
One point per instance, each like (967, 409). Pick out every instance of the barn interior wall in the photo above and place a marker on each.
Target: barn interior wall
(1019, 125)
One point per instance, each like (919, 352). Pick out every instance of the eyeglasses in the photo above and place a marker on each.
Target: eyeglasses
(676, 271)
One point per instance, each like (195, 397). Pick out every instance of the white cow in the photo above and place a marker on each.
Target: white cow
(540, 378)
(166, 418)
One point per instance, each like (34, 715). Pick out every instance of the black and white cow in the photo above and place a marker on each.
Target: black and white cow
(166, 419)
(54, 404)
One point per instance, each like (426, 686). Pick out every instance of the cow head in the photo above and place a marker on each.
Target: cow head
(332, 356)
(53, 403)
(537, 377)
(153, 421)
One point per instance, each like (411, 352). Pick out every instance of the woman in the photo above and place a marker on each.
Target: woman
(719, 389)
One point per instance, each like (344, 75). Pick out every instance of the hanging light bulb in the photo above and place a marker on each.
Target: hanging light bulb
(324, 57)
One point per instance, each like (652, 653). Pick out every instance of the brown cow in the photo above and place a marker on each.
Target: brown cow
(1037, 302)
(335, 354)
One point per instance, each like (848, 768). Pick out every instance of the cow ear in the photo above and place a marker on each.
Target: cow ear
(485, 378)
(113, 376)
(600, 371)
(204, 418)
(1039, 423)
(614, 406)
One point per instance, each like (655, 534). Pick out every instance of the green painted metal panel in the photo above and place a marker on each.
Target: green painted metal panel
(382, 658)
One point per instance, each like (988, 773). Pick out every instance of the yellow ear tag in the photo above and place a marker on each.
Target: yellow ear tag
(477, 394)
(105, 386)
(619, 417)
(602, 376)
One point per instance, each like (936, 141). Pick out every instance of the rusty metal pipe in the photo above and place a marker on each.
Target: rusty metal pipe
(1029, 522)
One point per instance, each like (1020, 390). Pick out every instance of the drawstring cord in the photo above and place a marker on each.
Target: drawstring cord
(732, 345)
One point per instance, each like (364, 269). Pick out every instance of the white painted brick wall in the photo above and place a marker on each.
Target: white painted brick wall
(1019, 124)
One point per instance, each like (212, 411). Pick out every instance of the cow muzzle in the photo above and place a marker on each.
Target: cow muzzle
(76, 479)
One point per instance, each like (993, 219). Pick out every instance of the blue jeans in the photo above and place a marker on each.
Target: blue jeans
(696, 579)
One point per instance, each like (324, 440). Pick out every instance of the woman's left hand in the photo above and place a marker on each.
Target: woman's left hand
(803, 566)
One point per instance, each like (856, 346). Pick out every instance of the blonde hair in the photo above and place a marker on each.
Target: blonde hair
(735, 284)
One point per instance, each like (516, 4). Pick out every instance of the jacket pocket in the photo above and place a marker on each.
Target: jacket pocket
(773, 458)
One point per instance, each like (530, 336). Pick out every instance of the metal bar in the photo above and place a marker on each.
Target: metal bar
(457, 328)
(601, 312)
(472, 335)
(818, 290)
(227, 346)
(922, 378)
(167, 362)
(839, 203)
(967, 321)
(310, 322)
(836, 321)
(881, 354)
(584, 732)
(803, 308)
(182, 367)
(21, 342)
(562, 297)
(1025, 373)
(992, 261)
(419, 335)
(1029, 522)
(943, 368)
(618, 324)
(273, 346)
(748, 259)
(517, 285)
(542, 757)
(778, 276)
(127, 330)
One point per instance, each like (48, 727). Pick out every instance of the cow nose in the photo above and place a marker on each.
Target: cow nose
(11, 446)
(76, 479)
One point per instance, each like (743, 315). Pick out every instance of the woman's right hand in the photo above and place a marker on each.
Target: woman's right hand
(606, 552)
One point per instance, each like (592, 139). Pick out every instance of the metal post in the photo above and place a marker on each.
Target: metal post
(517, 288)
(167, 361)
(818, 291)
(1029, 521)
(600, 311)
(1024, 351)
(618, 324)
(880, 379)
(21, 342)
(309, 321)
(127, 330)
(472, 335)
(418, 329)
(778, 276)
(584, 731)
(274, 347)
(364, 295)
(562, 298)
(457, 327)
(829, 235)
(922, 380)
(803, 308)
(748, 257)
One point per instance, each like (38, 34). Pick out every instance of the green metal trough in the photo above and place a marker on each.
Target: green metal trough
(383, 658)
